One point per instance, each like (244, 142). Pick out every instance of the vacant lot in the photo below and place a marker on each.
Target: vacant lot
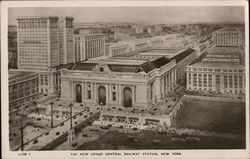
(226, 117)
(114, 140)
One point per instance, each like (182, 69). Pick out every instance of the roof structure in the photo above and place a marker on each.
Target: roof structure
(183, 55)
(16, 74)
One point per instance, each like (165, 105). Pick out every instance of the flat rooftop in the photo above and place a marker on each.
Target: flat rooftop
(227, 29)
(16, 74)
(218, 65)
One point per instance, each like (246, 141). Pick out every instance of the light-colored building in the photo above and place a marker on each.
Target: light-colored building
(45, 42)
(23, 89)
(88, 46)
(222, 58)
(221, 77)
(227, 37)
(124, 82)
(66, 31)
(38, 43)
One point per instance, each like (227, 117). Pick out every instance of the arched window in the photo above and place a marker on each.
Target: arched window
(127, 97)
(78, 93)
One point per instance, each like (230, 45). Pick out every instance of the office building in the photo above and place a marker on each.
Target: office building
(23, 89)
(88, 46)
(44, 42)
(227, 37)
(38, 43)
(219, 77)
(66, 31)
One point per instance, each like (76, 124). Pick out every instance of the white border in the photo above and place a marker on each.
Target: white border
(67, 154)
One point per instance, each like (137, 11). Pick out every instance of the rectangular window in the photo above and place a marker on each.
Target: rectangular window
(230, 82)
(241, 81)
(114, 96)
(235, 81)
(217, 80)
(89, 94)
(225, 81)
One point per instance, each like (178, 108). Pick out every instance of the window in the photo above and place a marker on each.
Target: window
(114, 96)
(89, 94)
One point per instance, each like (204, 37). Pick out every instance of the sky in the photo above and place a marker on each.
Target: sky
(151, 15)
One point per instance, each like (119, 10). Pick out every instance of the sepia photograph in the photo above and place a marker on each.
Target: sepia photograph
(126, 80)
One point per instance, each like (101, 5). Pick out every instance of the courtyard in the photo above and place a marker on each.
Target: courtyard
(220, 116)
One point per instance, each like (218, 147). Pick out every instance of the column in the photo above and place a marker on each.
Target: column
(202, 81)
(93, 91)
(222, 83)
(157, 89)
(233, 83)
(192, 80)
(166, 84)
(133, 95)
(238, 78)
(162, 87)
(110, 92)
(120, 93)
(207, 81)
(188, 74)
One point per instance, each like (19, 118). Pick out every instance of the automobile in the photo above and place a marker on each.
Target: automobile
(84, 135)
(155, 141)
(74, 117)
(176, 139)
(174, 99)
(35, 141)
(108, 109)
(169, 106)
(89, 123)
(85, 116)
(75, 122)
(132, 111)
(87, 110)
(193, 139)
(104, 127)
(121, 126)
(90, 113)
(81, 105)
(134, 129)
(97, 108)
(155, 109)
(47, 133)
(38, 119)
(239, 97)
(109, 125)
(120, 109)
(57, 133)
(80, 114)
(74, 145)
(113, 107)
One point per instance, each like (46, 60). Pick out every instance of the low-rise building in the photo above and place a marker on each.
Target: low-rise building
(227, 37)
(124, 82)
(216, 77)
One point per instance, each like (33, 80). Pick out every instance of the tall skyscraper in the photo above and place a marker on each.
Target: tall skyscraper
(38, 43)
(66, 31)
(44, 42)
